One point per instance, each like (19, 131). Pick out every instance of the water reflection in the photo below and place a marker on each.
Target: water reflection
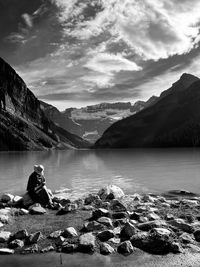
(151, 170)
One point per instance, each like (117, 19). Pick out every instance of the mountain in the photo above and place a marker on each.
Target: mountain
(90, 122)
(23, 125)
(173, 120)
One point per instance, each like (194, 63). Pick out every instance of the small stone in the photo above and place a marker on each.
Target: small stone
(33, 249)
(105, 221)
(119, 215)
(182, 225)
(47, 249)
(4, 236)
(16, 244)
(176, 247)
(161, 231)
(88, 207)
(143, 219)
(23, 212)
(91, 198)
(135, 216)
(127, 231)
(152, 224)
(117, 206)
(69, 248)
(114, 240)
(110, 192)
(197, 235)
(125, 248)
(93, 226)
(193, 248)
(98, 213)
(17, 199)
(38, 210)
(6, 251)
(4, 218)
(106, 249)
(59, 240)
(69, 232)
(87, 243)
(34, 238)
(117, 230)
(105, 235)
(22, 234)
(7, 198)
(55, 234)
(186, 238)
(152, 216)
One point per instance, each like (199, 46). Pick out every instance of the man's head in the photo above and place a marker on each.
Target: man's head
(39, 169)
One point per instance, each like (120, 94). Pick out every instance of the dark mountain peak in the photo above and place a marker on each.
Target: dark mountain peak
(188, 76)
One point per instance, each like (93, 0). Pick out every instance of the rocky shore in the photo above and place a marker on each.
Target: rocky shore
(107, 222)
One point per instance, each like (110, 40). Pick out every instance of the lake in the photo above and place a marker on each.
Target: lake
(83, 171)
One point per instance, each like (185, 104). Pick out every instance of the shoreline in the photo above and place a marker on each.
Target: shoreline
(106, 223)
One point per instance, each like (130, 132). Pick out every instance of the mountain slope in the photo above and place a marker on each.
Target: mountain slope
(173, 121)
(24, 126)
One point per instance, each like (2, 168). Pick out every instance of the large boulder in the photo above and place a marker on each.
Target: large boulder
(87, 243)
(110, 192)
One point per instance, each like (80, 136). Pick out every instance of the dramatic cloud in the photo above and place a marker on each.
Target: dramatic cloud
(87, 51)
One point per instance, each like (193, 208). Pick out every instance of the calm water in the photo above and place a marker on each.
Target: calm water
(151, 170)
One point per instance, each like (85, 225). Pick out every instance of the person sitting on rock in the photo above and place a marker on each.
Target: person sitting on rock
(36, 187)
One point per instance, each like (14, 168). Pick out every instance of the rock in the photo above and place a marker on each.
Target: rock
(127, 231)
(197, 235)
(98, 213)
(148, 198)
(152, 224)
(47, 249)
(105, 221)
(125, 248)
(22, 234)
(165, 205)
(68, 208)
(4, 236)
(88, 207)
(59, 240)
(105, 205)
(87, 243)
(152, 216)
(117, 230)
(169, 217)
(120, 222)
(33, 249)
(93, 226)
(155, 243)
(193, 248)
(182, 225)
(190, 202)
(27, 200)
(37, 210)
(105, 235)
(69, 232)
(69, 248)
(135, 216)
(55, 234)
(1, 225)
(23, 212)
(119, 215)
(17, 199)
(16, 244)
(161, 231)
(143, 219)
(116, 205)
(91, 198)
(110, 192)
(106, 249)
(4, 218)
(34, 238)
(176, 247)
(114, 240)
(7, 198)
(6, 251)
(186, 238)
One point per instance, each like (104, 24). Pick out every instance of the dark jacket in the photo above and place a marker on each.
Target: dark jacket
(35, 180)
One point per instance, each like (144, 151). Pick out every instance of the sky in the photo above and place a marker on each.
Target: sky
(73, 53)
